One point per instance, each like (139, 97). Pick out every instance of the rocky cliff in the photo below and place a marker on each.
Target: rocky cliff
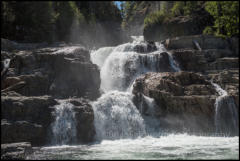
(186, 100)
(36, 77)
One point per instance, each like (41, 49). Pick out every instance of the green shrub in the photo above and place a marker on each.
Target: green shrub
(226, 15)
(177, 9)
(155, 18)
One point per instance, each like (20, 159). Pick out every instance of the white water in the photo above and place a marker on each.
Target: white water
(115, 115)
(121, 65)
(224, 101)
(174, 146)
(121, 131)
(6, 63)
(64, 126)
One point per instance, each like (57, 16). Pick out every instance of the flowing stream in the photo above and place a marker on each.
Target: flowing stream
(226, 115)
(121, 131)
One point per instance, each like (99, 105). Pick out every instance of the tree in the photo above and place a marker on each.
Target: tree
(226, 15)
(23, 21)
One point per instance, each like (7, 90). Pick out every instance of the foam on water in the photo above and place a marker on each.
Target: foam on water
(116, 117)
(174, 146)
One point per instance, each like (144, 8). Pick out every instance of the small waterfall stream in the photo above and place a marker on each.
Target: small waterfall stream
(226, 115)
(64, 127)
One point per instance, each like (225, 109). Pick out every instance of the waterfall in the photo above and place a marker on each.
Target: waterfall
(6, 63)
(99, 56)
(64, 126)
(115, 115)
(226, 115)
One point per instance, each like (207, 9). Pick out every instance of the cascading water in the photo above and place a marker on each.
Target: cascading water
(226, 115)
(64, 126)
(6, 63)
(116, 116)
(121, 129)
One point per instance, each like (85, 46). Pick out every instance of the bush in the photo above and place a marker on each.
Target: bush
(177, 9)
(226, 15)
(155, 18)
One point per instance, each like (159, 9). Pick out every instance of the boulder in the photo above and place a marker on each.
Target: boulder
(185, 100)
(33, 109)
(22, 131)
(143, 48)
(79, 114)
(85, 120)
(16, 151)
(59, 71)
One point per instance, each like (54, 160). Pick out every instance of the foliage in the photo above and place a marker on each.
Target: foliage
(67, 14)
(177, 9)
(37, 21)
(226, 15)
(155, 18)
(27, 20)
(185, 8)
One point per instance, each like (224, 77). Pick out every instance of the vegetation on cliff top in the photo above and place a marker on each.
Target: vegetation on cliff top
(225, 14)
(57, 20)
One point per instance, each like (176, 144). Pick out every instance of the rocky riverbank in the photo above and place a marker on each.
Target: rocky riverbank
(35, 79)
(186, 100)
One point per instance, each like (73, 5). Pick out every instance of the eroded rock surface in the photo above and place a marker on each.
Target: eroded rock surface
(36, 78)
(185, 100)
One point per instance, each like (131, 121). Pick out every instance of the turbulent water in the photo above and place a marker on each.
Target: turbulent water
(181, 146)
(122, 132)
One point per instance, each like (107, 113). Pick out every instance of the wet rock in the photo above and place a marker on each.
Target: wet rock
(145, 48)
(25, 118)
(227, 116)
(59, 71)
(185, 99)
(32, 109)
(190, 60)
(22, 131)
(16, 151)
(85, 120)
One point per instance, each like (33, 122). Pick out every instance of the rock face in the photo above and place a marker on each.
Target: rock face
(61, 72)
(185, 100)
(38, 76)
(85, 117)
(177, 26)
(218, 60)
(16, 151)
(26, 118)
(205, 42)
